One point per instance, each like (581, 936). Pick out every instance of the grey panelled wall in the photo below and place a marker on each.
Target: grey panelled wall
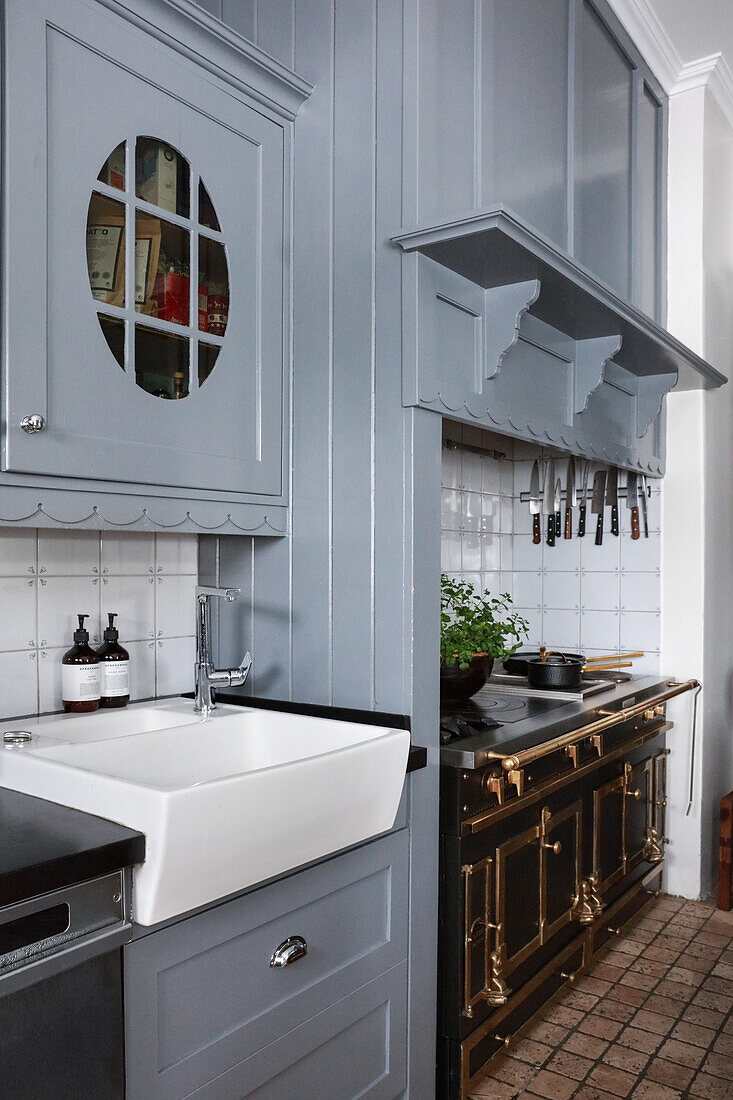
(332, 613)
(545, 107)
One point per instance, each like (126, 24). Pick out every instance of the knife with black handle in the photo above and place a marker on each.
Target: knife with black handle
(583, 502)
(599, 502)
(612, 497)
(535, 503)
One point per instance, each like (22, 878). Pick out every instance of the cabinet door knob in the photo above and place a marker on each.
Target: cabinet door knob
(555, 848)
(33, 423)
(634, 794)
(289, 951)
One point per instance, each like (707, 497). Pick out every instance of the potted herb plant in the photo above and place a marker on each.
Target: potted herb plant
(475, 630)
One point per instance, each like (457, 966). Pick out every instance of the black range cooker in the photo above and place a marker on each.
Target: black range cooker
(552, 837)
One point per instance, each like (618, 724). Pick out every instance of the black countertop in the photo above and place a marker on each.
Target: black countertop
(44, 846)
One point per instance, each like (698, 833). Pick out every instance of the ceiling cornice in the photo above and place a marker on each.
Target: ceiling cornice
(713, 73)
(660, 53)
(651, 39)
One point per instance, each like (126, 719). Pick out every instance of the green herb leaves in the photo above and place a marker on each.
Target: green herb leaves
(470, 624)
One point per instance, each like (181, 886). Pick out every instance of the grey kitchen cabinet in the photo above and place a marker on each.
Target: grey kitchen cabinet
(159, 383)
(208, 1016)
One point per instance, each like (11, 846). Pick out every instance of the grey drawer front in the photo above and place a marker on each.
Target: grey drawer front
(356, 1048)
(201, 996)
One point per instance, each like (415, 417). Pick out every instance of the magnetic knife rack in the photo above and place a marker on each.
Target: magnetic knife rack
(525, 496)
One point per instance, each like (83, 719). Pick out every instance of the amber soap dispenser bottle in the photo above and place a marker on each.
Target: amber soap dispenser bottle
(114, 668)
(80, 673)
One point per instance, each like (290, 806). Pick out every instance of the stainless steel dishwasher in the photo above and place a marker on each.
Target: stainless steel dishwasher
(61, 1009)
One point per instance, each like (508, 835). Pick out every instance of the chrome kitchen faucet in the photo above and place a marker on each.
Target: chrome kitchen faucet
(208, 677)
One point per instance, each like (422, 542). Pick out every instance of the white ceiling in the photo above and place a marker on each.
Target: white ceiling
(697, 28)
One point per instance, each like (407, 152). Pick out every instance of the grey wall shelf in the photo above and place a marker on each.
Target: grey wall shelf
(497, 249)
(506, 331)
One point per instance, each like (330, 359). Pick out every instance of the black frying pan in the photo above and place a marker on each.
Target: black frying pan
(516, 665)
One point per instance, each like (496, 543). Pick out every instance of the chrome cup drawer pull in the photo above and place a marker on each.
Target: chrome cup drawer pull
(289, 951)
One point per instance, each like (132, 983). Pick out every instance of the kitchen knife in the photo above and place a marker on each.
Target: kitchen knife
(632, 501)
(569, 498)
(535, 502)
(644, 513)
(612, 497)
(558, 509)
(548, 501)
(599, 502)
(583, 499)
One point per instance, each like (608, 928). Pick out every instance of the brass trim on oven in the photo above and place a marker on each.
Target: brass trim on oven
(473, 927)
(644, 767)
(503, 851)
(580, 943)
(659, 810)
(607, 721)
(487, 818)
(549, 822)
(613, 786)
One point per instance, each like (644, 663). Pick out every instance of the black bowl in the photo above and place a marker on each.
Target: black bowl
(457, 685)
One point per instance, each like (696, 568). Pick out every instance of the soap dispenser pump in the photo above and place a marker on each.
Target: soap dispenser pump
(80, 673)
(114, 668)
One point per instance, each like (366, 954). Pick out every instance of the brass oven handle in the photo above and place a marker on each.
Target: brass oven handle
(634, 794)
(505, 1040)
(555, 848)
(289, 951)
(569, 977)
(614, 931)
(607, 721)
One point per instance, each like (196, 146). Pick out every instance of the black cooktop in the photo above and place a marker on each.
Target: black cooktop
(489, 710)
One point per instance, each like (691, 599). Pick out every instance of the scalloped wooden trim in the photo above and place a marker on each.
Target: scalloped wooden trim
(591, 357)
(565, 439)
(144, 521)
(653, 388)
(504, 308)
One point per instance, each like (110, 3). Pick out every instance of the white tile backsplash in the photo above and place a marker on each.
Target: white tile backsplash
(575, 594)
(48, 577)
(129, 552)
(68, 553)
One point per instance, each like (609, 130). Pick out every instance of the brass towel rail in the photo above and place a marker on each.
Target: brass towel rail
(607, 720)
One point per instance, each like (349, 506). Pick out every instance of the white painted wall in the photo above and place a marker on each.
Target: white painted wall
(697, 542)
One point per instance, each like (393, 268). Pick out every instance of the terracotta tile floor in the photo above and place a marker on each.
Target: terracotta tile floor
(652, 1020)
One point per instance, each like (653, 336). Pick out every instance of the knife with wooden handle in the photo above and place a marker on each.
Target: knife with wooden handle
(599, 502)
(535, 503)
(632, 501)
(548, 501)
(644, 513)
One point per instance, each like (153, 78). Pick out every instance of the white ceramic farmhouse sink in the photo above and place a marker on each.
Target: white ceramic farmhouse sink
(224, 802)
